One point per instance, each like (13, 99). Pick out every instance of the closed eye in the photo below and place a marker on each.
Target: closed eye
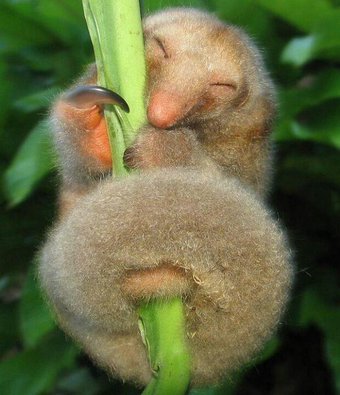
(229, 85)
(162, 47)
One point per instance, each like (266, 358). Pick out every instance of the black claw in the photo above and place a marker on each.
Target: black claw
(87, 95)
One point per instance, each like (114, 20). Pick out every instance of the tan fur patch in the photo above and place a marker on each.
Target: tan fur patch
(222, 244)
(162, 281)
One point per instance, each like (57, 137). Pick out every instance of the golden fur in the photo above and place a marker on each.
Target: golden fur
(191, 222)
(234, 256)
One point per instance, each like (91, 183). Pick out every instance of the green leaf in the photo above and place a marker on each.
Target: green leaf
(210, 391)
(12, 26)
(226, 389)
(301, 13)
(323, 43)
(154, 5)
(79, 382)
(310, 112)
(328, 29)
(61, 64)
(50, 15)
(4, 281)
(311, 169)
(32, 162)
(4, 94)
(317, 89)
(320, 124)
(327, 133)
(35, 318)
(34, 372)
(37, 101)
(294, 130)
(300, 50)
(314, 310)
(229, 387)
(238, 11)
(9, 333)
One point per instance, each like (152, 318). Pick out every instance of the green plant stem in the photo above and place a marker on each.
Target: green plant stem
(117, 37)
(116, 33)
(162, 324)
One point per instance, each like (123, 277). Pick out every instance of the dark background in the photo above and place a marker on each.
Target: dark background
(44, 44)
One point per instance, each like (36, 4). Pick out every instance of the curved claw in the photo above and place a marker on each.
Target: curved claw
(85, 96)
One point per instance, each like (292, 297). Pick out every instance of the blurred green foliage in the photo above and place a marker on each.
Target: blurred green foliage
(44, 44)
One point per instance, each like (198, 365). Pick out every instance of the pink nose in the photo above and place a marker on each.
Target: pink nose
(165, 109)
